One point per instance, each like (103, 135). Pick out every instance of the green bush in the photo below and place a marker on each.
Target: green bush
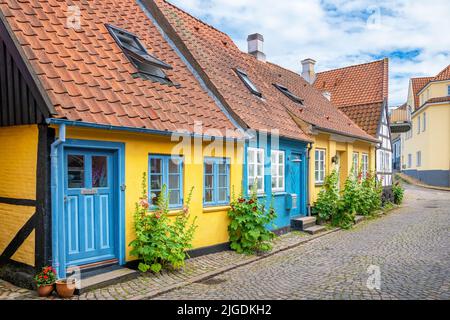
(160, 242)
(248, 227)
(398, 191)
(328, 198)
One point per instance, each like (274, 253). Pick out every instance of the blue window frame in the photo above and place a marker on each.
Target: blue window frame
(448, 90)
(168, 171)
(216, 181)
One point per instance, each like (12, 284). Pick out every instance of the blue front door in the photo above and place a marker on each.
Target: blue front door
(295, 177)
(90, 207)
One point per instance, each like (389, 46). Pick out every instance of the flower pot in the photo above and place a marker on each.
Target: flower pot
(46, 290)
(65, 288)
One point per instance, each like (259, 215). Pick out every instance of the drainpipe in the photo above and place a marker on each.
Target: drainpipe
(54, 188)
(308, 177)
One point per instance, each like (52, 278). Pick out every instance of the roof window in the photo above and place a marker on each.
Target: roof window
(288, 93)
(149, 67)
(246, 80)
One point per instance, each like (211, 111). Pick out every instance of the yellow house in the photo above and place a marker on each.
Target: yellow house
(82, 118)
(426, 147)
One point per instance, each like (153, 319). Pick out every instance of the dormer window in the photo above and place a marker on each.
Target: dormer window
(148, 66)
(246, 80)
(288, 93)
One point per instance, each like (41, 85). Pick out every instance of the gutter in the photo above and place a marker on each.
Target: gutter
(308, 191)
(54, 189)
(375, 141)
(136, 130)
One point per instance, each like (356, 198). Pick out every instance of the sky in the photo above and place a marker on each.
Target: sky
(413, 34)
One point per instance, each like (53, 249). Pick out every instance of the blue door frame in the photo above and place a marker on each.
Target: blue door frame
(296, 175)
(59, 232)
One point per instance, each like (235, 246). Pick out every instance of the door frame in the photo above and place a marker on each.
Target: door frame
(58, 229)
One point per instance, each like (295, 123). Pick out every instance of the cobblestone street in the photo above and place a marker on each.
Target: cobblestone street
(411, 246)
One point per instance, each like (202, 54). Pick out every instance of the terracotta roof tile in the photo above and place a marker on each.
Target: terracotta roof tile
(443, 75)
(417, 85)
(87, 76)
(218, 56)
(359, 91)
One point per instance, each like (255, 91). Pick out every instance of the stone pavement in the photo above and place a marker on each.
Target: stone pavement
(410, 246)
(147, 285)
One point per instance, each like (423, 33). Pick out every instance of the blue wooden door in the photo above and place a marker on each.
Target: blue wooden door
(89, 206)
(295, 177)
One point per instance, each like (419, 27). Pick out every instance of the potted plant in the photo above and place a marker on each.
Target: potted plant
(45, 281)
(65, 287)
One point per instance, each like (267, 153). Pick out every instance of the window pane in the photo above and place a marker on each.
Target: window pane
(155, 182)
(223, 194)
(174, 197)
(251, 156)
(223, 181)
(174, 181)
(281, 158)
(260, 171)
(208, 168)
(260, 157)
(222, 168)
(174, 166)
(75, 174)
(260, 183)
(155, 166)
(208, 181)
(99, 171)
(208, 195)
(280, 170)
(154, 197)
(251, 169)
(274, 182)
(280, 182)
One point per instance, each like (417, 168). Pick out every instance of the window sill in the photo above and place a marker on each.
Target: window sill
(215, 208)
(279, 193)
(319, 184)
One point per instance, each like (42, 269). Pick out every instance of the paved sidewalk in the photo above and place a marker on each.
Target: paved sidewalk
(150, 285)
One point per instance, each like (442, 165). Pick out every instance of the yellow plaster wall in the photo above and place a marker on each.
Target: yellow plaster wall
(345, 151)
(212, 222)
(18, 159)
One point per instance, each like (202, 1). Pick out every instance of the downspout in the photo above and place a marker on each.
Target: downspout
(54, 189)
(310, 145)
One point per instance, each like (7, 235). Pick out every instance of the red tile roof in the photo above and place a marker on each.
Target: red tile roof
(417, 85)
(443, 75)
(218, 56)
(360, 91)
(87, 76)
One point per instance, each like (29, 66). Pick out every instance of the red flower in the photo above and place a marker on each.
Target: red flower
(251, 201)
(45, 277)
(241, 200)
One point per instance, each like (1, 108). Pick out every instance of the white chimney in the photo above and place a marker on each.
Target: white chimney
(308, 72)
(256, 46)
(327, 94)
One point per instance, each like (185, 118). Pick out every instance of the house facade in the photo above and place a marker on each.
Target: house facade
(311, 137)
(429, 101)
(400, 122)
(84, 114)
(361, 92)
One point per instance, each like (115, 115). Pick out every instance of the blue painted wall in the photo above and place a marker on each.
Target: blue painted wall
(296, 175)
(439, 178)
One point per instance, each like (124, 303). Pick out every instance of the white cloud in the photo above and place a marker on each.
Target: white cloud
(336, 33)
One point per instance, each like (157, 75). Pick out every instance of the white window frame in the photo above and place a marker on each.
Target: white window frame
(275, 166)
(254, 174)
(364, 164)
(320, 169)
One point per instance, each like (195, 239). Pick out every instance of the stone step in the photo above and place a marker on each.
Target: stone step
(315, 229)
(302, 223)
(102, 278)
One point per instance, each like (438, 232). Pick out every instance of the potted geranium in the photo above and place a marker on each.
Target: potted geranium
(45, 281)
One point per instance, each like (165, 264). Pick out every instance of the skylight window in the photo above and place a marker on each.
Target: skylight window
(149, 66)
(288, 93)
(246, 80)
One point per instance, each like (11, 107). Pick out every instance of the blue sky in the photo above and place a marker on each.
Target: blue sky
(414, 34)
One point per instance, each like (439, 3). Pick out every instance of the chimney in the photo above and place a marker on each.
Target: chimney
(256, 46)
(327, 94)
(308, 70)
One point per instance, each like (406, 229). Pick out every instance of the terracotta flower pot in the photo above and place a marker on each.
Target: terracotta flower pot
(64, 288)
(45, 291)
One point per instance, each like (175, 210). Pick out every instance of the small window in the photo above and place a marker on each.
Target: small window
(418, 125)
(255, 169)
(75, 171)
(419, 159)
(148, 66)
(288, 93)
(278, 169)
(364, 164)
(319, 166)
(99, 172)
(409, 160)
(246, 80)
(448, 91)
(355, 163)
(168, 171)
(216, 189)
(424, 122)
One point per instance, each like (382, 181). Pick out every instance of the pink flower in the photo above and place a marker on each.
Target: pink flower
(144, 203)
(185, 210)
